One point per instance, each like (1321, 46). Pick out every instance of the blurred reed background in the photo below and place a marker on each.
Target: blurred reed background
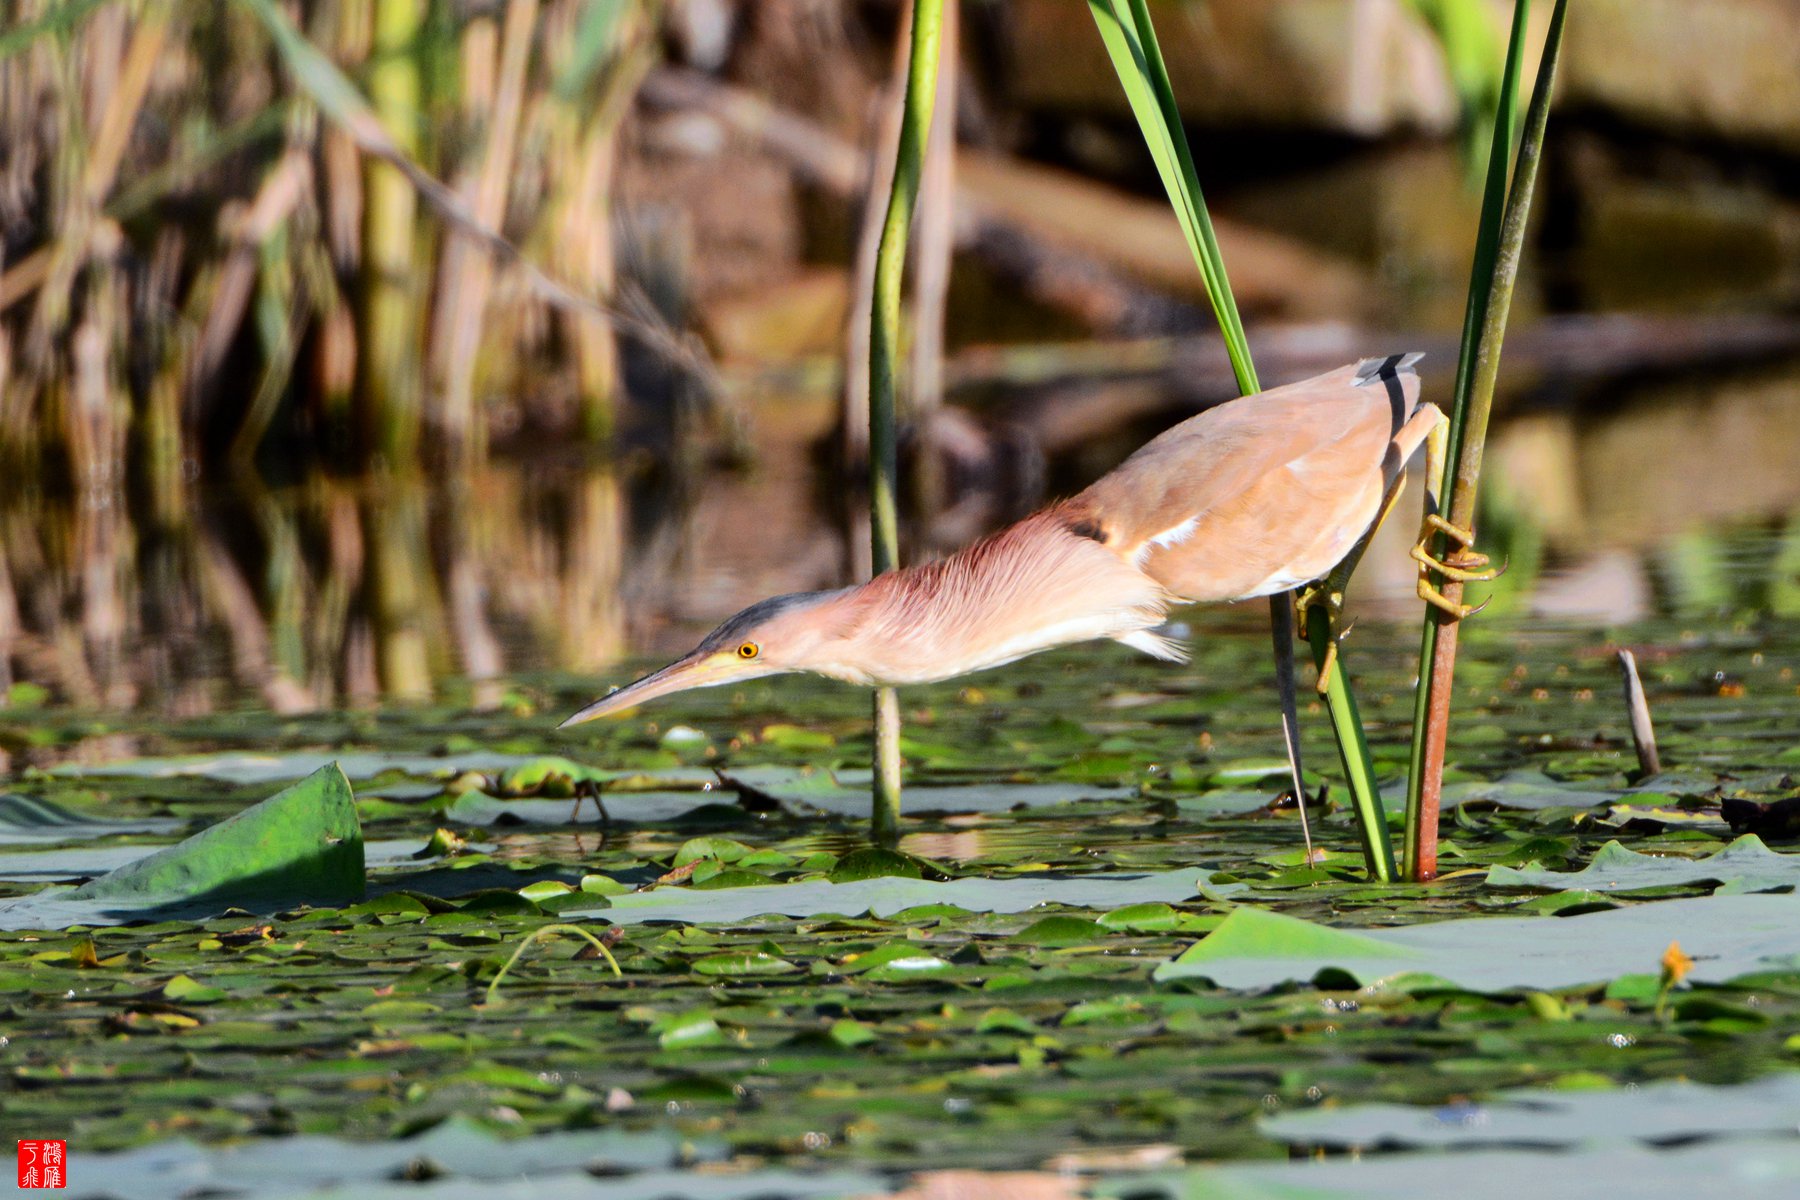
(348, 347)
(252, 370)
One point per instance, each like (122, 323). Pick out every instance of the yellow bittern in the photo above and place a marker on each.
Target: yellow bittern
(1254, 497)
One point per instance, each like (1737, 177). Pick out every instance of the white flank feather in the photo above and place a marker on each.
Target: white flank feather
(1155, 645)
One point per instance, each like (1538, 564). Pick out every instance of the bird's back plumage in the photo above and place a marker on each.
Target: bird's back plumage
(1265, 492)
(1248, 498)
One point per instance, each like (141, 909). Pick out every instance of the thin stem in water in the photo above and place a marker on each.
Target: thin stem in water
(537, 935)
(884, 338)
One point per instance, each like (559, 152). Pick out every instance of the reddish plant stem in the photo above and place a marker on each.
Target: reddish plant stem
(1484, 333)
(1437, 733)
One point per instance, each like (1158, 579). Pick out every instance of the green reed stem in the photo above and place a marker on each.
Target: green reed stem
(1505, 213)
(1353, 752)
(884, 340)
(1130, 39)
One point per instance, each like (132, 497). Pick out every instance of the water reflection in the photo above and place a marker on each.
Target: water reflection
(330, 591)
(1677, 494)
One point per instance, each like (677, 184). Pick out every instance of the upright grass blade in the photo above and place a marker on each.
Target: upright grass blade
(1465, 33)
(884, 340)
(1130, 39)
(1505, 213)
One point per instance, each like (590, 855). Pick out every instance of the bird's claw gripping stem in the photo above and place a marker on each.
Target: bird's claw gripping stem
(1438, 600)
(1463, 565)
(1328, 599)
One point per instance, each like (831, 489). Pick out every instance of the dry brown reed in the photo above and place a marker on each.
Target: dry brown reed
(226, 230)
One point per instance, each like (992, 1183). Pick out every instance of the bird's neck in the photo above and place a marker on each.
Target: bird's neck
(1027, 588)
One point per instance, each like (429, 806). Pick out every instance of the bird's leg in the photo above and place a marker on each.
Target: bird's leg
(1327, 594)
(1464, 564)
(1281, 614)
(589, 789)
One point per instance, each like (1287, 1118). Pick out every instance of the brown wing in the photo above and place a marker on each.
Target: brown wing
(1263, 492)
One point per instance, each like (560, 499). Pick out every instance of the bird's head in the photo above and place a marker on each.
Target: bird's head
(782, 634)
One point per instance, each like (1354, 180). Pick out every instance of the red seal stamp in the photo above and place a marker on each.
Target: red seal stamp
(43, 1164)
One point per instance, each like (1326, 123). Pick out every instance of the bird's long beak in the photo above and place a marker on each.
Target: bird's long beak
(678, 676)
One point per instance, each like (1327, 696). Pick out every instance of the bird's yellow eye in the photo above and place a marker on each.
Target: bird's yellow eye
(749, 650)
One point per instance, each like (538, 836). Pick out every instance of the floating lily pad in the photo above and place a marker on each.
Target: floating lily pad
(458, 1148)
(25, 819)
(1729, 936)
(1763, 1169)
(254, 768)
(889, 895)
(77, 862)
(1225, 800)
(876, 862)
(1744, 866)
(1517, 790)
(478, 808)
(846, 793)
(747, 963)
(302, 845)
(85, 862)
(1657, 1112)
